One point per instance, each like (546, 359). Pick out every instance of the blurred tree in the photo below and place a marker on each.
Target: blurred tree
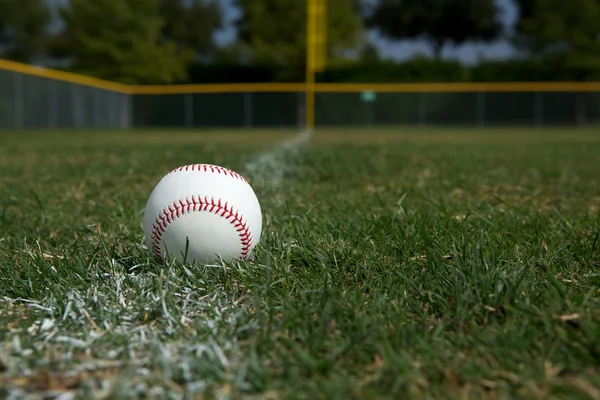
(437, 21)
(120, 40)
(23, 26)
(370, 53)
(569, 31)
(273, 32)
(566, 34)
(191, 24)
(526, 12)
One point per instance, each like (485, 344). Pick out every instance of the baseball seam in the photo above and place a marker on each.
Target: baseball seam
(195, 204)
(209, 168)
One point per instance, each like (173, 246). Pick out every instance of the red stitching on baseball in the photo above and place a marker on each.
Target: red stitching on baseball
(209, 168)
(194, 204)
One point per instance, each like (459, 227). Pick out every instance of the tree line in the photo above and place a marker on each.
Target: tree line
(172, 41)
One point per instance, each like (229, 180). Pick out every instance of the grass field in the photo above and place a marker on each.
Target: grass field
(398, 264)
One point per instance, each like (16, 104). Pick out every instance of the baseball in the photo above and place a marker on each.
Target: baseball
(199, 213)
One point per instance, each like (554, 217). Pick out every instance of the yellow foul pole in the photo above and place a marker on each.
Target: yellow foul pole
(315, 53)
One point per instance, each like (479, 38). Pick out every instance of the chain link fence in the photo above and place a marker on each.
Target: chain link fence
(479, 109)
(28, 101)
(33, 102)
(235, 110)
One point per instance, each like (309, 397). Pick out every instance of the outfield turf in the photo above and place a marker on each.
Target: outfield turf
(393, 264)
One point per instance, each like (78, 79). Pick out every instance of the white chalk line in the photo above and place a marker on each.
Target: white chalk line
(269, 168)
(266, 170)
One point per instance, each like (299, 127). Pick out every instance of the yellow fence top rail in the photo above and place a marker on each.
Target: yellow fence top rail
(218, 88)
(453, 87)
(376, 87)
(441, 87)
(62, 76)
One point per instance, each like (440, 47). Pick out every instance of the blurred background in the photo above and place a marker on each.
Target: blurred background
(242, 63)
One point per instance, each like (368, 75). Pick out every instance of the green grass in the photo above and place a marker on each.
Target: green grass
(393, 264)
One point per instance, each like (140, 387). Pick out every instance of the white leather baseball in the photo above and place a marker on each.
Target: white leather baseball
(202, 212)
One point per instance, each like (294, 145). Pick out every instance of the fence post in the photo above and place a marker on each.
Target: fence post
(114, 114)
(127, 113)
(301, 108)
(53, 105)
(189, 110)
(114, 110)
(76, 101)
(481, 109)
(539, 109)
(248, 109)
(96, 116)
(18, 101)
(369, 113)
(422, 109)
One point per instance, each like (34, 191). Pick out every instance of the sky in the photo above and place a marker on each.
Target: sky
(468, 53)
